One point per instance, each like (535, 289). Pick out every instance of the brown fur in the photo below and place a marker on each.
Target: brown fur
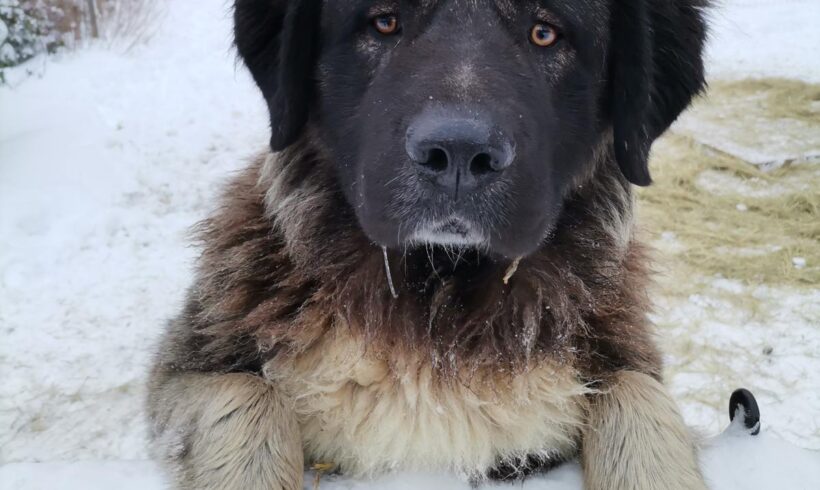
(284, 263)
(223, 432)
(286, 269)
(635, 438)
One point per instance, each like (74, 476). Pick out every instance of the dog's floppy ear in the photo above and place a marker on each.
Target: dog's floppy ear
(278, 41)
(656, 67)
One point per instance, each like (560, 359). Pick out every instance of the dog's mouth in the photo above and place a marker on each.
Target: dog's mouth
(454, 227)
(453, 231)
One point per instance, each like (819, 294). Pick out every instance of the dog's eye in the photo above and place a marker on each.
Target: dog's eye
(544, 35)
(386, 24)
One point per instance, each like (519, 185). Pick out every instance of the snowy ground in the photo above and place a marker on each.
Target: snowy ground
(757, 38)
(732, 461)
(107, 158)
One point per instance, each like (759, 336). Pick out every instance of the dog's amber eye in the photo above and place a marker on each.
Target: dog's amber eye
(544, 35)
(386, 24)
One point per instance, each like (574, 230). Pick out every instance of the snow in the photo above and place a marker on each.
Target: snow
(737, 461)
(107, 160)
(765, 38)
(772, 350)
(732, 461)
(108, 157)
(85, 475)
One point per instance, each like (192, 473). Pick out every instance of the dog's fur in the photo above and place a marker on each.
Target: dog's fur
(635, 420)
(292, 349)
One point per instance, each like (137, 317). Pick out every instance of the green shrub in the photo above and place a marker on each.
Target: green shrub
(25, 31)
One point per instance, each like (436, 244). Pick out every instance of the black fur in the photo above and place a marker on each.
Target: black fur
(278, 41)
(656, 68)
(625, 66)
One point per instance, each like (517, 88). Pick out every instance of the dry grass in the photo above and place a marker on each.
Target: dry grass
(753, 238)
(132, 21)
(125, 22)
(778, 98)
(769, 122)
(729, 218)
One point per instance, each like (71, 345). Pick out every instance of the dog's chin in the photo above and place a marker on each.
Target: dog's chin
(449, 233)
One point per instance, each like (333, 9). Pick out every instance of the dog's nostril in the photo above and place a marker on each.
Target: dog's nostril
(436, 160)
(457, 152)
(482, 164)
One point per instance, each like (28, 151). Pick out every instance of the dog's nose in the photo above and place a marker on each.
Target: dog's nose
(458, 154)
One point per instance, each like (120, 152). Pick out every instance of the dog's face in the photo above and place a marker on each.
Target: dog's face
(467, 122)
(460, 122)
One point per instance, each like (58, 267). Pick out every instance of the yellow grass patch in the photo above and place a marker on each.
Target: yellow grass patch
(714, 214)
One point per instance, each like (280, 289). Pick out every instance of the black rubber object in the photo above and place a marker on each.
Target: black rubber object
(744, 398)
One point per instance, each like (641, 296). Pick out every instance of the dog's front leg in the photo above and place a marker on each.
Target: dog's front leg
(635, 439)
(223, 432)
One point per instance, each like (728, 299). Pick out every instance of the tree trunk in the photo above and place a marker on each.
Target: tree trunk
(92, 15)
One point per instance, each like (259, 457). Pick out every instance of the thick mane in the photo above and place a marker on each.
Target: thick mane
(285, 262)
(304, 340)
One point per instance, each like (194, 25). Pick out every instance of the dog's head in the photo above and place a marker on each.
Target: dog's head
(467, 122)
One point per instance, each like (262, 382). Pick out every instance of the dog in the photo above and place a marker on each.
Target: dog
(434, 266)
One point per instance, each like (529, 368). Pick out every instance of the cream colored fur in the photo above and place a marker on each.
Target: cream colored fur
(337, 402)
(368, 415)
(636, 440)
(225, 432)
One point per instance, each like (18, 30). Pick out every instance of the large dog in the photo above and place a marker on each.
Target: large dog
(434, 268)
